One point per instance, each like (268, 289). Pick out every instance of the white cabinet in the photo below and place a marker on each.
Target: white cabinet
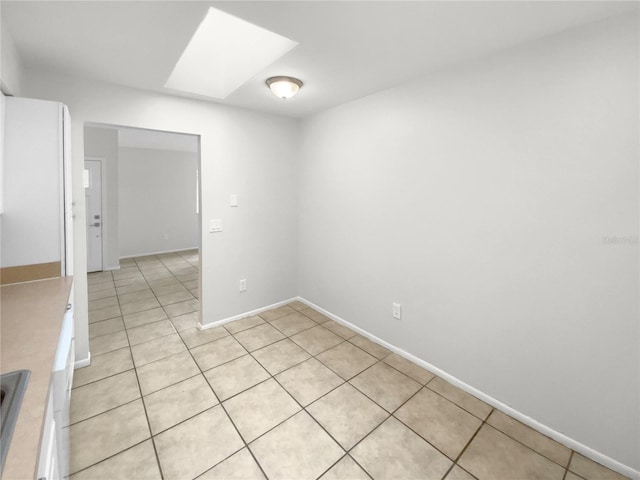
(48, 465)
(54, 451)
(62, 383)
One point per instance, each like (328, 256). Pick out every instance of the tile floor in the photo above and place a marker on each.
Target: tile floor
(287, 394)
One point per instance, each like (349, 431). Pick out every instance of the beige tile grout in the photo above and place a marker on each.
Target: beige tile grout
(392, 414)
(106, 411)
(425, 385)
(144, 406)
(141, 397)
(219, 403)
(271, 376)
(304, 408)
(72, 475)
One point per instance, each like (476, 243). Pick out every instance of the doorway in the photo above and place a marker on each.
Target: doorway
(149, 230)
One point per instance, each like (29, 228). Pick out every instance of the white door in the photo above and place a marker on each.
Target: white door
(93, 195)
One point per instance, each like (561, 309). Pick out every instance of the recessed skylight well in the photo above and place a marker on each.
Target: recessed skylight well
(225, 52)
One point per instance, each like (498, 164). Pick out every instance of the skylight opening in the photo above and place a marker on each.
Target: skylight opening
(225, 52)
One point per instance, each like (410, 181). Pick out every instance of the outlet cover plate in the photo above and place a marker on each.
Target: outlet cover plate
(215, 225)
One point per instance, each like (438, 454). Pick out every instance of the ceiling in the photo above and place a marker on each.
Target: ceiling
(346, 50)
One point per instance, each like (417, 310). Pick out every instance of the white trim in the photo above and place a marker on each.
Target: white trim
(243, 315)
(85, 362)
(545, 430)
(108, 269)
(160, 253)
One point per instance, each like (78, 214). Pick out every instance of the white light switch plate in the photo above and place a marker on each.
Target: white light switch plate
(397, 311)
(233, 200)
(215, 225)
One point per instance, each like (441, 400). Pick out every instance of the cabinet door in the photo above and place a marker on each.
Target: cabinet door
(48, 468)
(62, 380)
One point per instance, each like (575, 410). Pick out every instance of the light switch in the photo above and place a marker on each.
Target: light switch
(215, 225)
(233, 200)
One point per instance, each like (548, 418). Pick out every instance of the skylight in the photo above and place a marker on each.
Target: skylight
(224, 53)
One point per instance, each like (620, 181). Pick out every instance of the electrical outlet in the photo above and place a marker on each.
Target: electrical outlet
(243, 285)
(215, 225)
(397, 310)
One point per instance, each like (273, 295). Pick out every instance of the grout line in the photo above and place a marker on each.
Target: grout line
(346, 455)
(270, 376)
(144, 406)
(566, 471)
(219, 403)
(458, 405)
(358, 463)
(103, 378)
(106, 411)
(446, 474)
(524, 444)
(141, 398)
(392, 414)
(424, 385)
(464, 449)
(172, 385)
(71, 475)
(303, 408)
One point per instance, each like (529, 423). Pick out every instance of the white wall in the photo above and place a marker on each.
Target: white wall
(157, 190)
(250, 154)
(32, 178)
(11, 68)
(102, 143)
(481, 200)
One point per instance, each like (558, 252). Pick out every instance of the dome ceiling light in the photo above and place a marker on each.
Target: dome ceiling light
(284, 87)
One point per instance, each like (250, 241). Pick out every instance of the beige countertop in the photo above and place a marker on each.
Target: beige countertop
(30, 321)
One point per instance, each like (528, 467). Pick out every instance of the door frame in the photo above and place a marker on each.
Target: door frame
(103, 204)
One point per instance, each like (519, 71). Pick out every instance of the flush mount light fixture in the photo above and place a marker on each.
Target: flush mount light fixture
(284, 87)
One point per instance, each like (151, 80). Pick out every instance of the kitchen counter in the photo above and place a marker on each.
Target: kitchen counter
(30, 321)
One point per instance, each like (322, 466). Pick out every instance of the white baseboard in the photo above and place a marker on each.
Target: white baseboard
(184, 249)
(545, 430)
(109, 269)
(85, 362)
(243, 315)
